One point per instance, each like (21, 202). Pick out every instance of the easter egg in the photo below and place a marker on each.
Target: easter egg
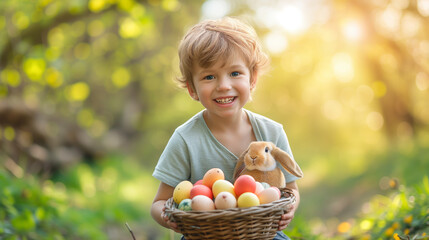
(182, 191)
(201, 190)
(248, 199)
(244, 183)
(202, 203)
(185, 205)
(225, 200)
(212, 176)
(278, 191)
(265, 185)
(199, 182)
(222, 186)
(259, 188)
(268, 195)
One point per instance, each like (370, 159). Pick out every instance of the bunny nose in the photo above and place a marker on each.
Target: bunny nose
(253, 157)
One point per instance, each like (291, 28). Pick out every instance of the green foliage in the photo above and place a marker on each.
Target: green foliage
(85, 202)
(26, 211)
(107, 67)
(404, 214)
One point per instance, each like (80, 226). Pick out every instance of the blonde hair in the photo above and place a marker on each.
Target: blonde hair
(211, 40)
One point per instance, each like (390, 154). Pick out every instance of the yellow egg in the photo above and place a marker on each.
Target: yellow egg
(268, 195)
(182, 191)
(202, 203)
(247, 199)
(222, 186)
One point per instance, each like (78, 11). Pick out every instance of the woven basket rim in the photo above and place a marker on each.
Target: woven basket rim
(252, 223)
(287, 198)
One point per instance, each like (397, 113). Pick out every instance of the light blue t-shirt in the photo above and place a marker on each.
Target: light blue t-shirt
(192, 150)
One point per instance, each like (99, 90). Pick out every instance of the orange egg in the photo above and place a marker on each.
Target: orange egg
(212, 176)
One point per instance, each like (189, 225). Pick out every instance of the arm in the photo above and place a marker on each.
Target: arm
(157, 210)
(287, 218)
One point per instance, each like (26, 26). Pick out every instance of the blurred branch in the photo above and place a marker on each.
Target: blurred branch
(131, 231)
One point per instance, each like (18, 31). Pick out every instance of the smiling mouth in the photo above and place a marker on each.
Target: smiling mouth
(224, 100)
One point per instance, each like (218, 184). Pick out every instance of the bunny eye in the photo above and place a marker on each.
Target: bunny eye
(266, 149)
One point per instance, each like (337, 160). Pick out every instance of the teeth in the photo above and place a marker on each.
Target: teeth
(224, 100)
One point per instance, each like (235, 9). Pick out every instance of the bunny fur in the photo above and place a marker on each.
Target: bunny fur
(259, 161)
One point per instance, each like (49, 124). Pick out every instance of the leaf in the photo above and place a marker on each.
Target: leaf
(24, 222)
(426, 184)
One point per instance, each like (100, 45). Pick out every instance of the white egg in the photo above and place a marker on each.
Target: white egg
(225, 200)
(259, 188)
(202, 203)
(268, 195)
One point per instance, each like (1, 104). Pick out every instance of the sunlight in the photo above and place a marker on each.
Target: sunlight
(423, 7)
(332, 109)
(129, 28)
(422, 81)
(379, 88)
(121, 77)
(389, 20)
(214, 9)
(353, 30)
(365, 94)
(34, 68)
(53, 77)
(291, 19)
(11, 76)
(375, 121)
(275, 42)
(410, 25)
(78, 91)
(342, 65)
(129, 191)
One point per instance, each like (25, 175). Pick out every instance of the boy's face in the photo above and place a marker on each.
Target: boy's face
(224, 88)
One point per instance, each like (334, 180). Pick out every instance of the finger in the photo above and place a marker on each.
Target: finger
(286, 217)
(282, 227)
(173, 226)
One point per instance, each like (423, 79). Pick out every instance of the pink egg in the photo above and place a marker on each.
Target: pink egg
(202, 203)
(268, 195)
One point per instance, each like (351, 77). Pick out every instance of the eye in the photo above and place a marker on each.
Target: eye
(235, 74)
(209, 77)
(266, 149)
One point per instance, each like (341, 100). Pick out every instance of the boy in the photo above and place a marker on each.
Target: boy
(220, 61)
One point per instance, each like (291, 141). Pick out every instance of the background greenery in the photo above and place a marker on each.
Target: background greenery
(88, 102)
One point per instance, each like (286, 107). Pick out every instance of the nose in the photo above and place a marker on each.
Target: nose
(224, 83)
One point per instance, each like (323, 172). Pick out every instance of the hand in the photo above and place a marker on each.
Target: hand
(171, 225)
(286, 218)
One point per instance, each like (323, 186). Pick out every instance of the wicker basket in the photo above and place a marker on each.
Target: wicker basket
(260, 222)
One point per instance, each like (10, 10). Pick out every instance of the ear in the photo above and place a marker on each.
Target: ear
(253, 80)
(239, 167)
(192, 91)
(286, 161)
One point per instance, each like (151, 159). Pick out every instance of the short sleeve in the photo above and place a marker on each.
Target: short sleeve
(173, 165)
(283, 143)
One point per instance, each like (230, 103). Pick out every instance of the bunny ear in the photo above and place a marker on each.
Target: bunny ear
(286, 161)
(239, 167)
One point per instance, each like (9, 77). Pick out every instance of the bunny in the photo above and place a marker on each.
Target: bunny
(259, 161)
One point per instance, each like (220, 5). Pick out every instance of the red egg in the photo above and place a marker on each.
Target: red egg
(244, 183)
(199, 182)
(201, 190)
